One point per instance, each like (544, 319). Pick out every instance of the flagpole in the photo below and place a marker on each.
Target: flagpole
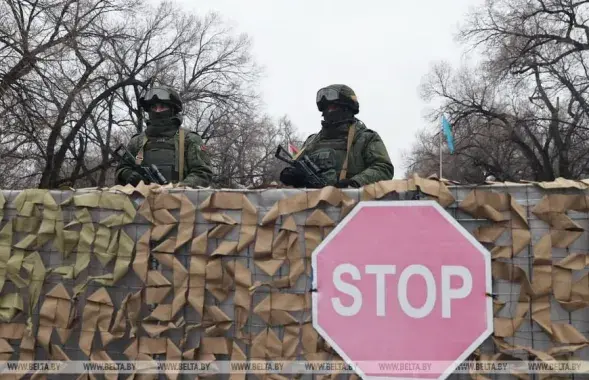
(441, 133)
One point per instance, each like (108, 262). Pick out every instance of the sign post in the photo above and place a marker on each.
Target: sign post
(402, 282)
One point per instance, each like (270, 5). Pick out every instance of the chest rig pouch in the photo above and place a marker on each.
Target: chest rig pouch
(162, 152)
(331, 156)
(327, 158)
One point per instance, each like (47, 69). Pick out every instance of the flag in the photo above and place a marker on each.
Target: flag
(293, 150)
(447, 129)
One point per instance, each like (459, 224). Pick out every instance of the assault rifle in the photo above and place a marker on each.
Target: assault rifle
(150, 174)
(304, 167)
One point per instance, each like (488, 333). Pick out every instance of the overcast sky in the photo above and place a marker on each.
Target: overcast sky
(380, 48)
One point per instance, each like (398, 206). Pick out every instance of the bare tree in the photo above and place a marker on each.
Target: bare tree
(243, 152)
(72, 71)
(522, 112)
(33, 32)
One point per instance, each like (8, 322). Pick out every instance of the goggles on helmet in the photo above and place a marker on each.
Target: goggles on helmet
(155, 93)
(329, 94)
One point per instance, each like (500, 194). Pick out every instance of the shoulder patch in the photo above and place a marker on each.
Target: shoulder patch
(195, 138)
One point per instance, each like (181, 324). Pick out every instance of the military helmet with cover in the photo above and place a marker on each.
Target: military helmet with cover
(160, 94)
(339, 94)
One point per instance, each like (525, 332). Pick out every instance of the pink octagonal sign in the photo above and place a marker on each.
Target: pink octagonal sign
(402, 283)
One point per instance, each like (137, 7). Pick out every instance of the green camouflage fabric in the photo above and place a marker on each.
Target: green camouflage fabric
(197, 164)
(368, 161)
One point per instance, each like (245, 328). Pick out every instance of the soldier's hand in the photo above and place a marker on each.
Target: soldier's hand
(134, 178)
(291, 177)
(347, 183)
(183, 185)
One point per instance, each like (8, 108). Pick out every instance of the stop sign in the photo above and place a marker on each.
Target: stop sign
(402, 281)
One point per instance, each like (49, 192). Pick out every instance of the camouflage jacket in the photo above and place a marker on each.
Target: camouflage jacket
(368, 160)
(197, 169)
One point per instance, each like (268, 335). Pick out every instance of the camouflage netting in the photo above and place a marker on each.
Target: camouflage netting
(234, 274)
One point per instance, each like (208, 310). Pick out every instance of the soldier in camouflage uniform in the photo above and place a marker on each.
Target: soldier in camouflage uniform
(160, 144)
(347, 153)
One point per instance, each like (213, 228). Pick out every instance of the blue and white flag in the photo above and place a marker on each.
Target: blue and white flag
(447, 129)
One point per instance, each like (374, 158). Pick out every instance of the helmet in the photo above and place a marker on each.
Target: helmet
(164, 95)
(337, 94)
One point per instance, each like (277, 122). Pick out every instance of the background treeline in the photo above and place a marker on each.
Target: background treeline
(71, 72)
(521, 111)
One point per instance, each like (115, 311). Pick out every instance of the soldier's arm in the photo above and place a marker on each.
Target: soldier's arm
(124, 169)
(378, 163)
(197, 163)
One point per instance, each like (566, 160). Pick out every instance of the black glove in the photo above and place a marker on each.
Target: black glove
(132, 177)
(291, 177)
(347, 183)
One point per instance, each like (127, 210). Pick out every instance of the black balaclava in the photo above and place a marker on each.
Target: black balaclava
(164, 123)
(336, 117)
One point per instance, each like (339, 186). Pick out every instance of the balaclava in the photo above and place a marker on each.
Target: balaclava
(164, 123)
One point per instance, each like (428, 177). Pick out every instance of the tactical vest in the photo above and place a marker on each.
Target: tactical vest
(167, 153)
(333, 156)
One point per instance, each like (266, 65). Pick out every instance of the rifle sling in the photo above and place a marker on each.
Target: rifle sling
(181, 155)
(139, 157)
(351, 133)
